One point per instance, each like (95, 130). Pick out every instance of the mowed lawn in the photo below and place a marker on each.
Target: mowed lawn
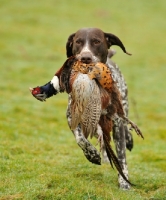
(39, 158)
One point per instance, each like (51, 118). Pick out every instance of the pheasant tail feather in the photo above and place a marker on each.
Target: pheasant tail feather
(112, 158)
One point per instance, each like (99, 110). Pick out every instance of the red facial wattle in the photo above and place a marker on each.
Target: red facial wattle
(36, 91)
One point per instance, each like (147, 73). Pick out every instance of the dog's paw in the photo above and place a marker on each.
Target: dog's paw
(123, 184)
(93, 157)
(92, 154)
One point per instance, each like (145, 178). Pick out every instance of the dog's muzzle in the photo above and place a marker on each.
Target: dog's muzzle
(87, 57)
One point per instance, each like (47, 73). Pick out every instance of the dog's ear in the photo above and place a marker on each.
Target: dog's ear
(69, 45)
(114, 40)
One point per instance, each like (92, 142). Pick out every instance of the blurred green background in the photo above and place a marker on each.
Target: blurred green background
(39, 158)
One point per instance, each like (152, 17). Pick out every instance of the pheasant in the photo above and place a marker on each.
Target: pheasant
(95, 101)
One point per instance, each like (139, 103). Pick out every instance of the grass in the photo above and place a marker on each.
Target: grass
(39, 158)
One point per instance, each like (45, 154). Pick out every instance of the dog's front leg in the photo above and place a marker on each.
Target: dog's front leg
(120, 144)
(88, 149)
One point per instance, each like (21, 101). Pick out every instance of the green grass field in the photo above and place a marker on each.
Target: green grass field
(39, 158)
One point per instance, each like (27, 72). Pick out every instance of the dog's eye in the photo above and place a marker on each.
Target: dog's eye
(78, 42)
(96, 41)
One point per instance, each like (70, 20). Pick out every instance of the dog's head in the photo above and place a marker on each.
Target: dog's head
(91, 45)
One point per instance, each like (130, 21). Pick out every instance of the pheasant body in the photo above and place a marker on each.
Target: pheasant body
(86, 104)
(93, 93)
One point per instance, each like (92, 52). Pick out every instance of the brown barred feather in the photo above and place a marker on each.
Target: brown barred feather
(92, 112)
(86, 104)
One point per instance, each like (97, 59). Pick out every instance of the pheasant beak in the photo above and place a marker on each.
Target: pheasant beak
(30, 89)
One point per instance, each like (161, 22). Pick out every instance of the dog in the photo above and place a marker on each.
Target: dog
(92, 45)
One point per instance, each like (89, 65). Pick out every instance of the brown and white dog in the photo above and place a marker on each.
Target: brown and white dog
(92, 45)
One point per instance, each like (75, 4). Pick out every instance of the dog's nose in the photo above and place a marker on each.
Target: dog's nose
(86, 58)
